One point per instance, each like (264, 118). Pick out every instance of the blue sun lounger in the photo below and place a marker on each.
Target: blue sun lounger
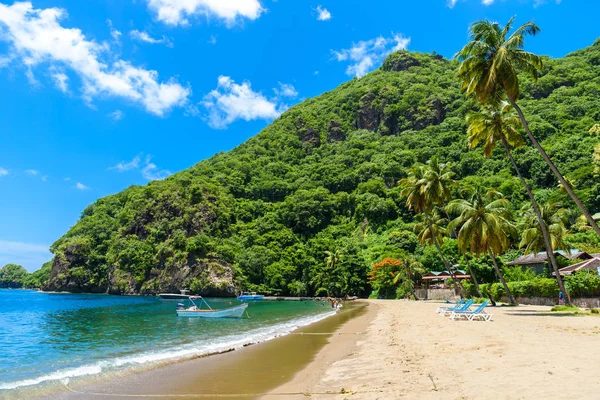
(455, 305)
(472, 315)
(461, 308)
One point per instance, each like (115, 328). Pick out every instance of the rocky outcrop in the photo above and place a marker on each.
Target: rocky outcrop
(335, 132)
(207, 277)
(309, 136)
(400, 61)
(369, 112)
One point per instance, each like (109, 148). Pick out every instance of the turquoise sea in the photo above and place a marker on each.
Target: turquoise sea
(48, 338)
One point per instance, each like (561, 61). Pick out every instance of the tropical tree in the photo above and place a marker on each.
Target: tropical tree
(430, 231)
(389, 272)
(499, 124)
(437, 178)
(554, 218)
(484, 226)
(437, 181)
(333, 258)
(332, 279)
(410, 269)
(490, 64)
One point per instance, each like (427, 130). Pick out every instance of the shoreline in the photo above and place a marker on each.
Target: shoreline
(258, 367)
(410, 352)
(340, 345)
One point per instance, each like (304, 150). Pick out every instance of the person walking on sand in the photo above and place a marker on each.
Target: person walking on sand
(561, 298)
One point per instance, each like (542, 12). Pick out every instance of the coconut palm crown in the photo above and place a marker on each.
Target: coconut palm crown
(491, 61)
(492, 124)
(483, 222)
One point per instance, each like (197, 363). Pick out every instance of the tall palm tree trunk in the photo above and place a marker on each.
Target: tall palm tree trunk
(457, 286)
(555, 170)
(499, 274)
(473, 276)
(543, 227)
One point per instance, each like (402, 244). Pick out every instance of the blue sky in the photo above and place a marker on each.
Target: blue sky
(98, 95)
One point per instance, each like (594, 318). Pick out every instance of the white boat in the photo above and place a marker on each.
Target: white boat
(174, 296)
(250, 296)
(198, 312)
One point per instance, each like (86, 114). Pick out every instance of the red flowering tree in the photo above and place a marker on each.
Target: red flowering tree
(394, 278)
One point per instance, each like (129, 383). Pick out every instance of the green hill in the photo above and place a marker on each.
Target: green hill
(323, 177)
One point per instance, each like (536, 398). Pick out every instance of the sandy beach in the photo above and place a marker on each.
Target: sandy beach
(390, 350)
(408, 351)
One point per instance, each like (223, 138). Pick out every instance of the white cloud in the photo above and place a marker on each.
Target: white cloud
(231, 101)
(81, 186)
(114, 33)
(45, 178)
(177, 12)
(365, 55)
(61, 81)
(146, 38)
(285, 90)
(323, 14)
(452, 3)
(212, 39)
(29, 255)
(67, 179)
(37, 37)
(32, 171)
(487, 2)
(153, 173)
(127, 166)
(116, 115)
(147, 168)
(3, 172)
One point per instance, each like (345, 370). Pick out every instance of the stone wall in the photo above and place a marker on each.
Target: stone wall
(436, 294)
(583, 302)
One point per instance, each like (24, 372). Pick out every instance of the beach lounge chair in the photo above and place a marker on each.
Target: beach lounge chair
(461, 308)
(457, 304)
(478, 313)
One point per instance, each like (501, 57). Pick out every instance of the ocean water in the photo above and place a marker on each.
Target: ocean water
(46, 338)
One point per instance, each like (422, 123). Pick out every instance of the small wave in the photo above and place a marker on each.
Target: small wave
(176, 354)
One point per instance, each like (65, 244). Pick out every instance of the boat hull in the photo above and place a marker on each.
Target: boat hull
(257, 297)
(231, 312)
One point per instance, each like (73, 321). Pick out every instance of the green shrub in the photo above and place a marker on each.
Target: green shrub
(583, 283)
(595, 310)
(565, 307)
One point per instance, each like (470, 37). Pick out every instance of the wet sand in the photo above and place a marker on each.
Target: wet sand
(410, 352)
(247, 373)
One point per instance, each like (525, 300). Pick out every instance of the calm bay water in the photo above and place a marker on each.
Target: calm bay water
(49, 337)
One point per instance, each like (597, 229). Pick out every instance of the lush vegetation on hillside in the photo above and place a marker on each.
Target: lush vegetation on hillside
(15, 276)
(312, 202)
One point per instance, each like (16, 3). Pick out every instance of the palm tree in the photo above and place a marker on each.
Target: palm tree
(437, 181)
(554, 218)
(333, 258)
(484, 227)
(493, 124)
(489, 69)
(410, 268)
(430, 230)
(422, 202)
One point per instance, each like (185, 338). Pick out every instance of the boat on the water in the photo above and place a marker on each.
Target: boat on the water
(195, 311)
(174, 296)
(250, 296)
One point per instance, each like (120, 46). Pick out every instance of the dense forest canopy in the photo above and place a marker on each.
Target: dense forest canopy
(15, 276)
(312, 202)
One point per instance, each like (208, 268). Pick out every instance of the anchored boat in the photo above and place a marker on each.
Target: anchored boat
(195, 311)
(250, 296)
